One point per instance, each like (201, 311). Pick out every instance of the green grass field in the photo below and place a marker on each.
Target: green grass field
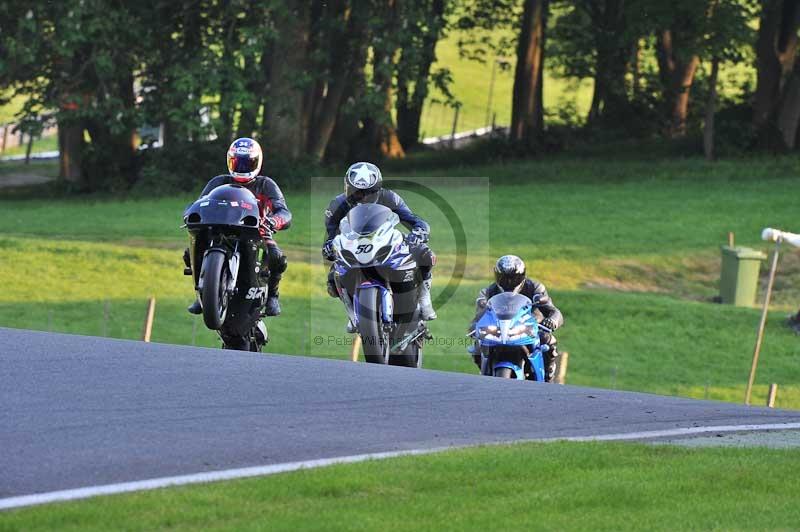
(556, 486)
(632, 261)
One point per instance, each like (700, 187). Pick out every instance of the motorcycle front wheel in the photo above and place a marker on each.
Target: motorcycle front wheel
(214, 295)
(370, 327)
(504, 373)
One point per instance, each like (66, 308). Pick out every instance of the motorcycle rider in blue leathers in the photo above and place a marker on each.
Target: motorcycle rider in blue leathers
(363, 183)
(244, 163)
(509, 274)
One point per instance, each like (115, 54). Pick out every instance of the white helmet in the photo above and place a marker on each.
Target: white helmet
(244, 160)
(362, 183)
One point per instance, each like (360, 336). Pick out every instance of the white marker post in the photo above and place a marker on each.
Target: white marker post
(770, 235)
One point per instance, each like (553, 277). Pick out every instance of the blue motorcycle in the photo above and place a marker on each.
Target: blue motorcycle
(508, 338)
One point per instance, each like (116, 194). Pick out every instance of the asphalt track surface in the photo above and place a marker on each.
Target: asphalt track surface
(80, 411)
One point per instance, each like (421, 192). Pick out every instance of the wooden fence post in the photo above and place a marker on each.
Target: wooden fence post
(762, 323)
(455, 126)
(148, 320)
(356, 348)
(28, 149)
(773, 391)
(563, 362)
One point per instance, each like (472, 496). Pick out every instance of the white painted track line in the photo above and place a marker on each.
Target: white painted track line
(231, 474)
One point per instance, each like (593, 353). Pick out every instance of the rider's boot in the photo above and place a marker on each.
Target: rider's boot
(262, 336)
(273, 306)
(425, 305)
(195, 307)
(277, 265)
(350, 327)
(550, 359)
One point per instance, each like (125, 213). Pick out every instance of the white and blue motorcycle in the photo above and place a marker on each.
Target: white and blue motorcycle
(379, 281)
(507, 335)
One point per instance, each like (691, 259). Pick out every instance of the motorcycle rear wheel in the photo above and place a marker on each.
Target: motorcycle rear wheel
(214, 295)
(411, 357)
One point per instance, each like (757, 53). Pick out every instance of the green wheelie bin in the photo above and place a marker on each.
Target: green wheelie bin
(738, 282)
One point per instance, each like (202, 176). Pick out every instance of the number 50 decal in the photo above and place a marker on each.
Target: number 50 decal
(363, 248)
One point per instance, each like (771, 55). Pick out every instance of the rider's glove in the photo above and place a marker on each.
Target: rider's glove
(268, 225)
(327, 250)
(545, 337)
(416, 237)
(549, 324)
(275, 222)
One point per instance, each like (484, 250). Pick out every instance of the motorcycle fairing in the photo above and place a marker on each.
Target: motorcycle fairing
(509, 321)
(387, 304)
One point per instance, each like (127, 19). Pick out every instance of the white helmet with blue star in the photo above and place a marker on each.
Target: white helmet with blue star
(362, 183)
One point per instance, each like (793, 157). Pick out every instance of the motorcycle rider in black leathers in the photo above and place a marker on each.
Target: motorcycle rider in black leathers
(509, 273)
(244, 164)
(363, 183)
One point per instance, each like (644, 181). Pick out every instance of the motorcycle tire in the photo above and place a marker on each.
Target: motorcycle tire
(370, 327)
(504, 373)
(411, 357)
(214, 297)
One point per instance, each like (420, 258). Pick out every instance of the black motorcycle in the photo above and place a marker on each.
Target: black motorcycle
(226, 255)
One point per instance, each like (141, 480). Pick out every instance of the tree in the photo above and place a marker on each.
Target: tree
(285, 127)
(776, 111)
(527, 113)
(424, 24)
(725, 37)
(343, 33)
(67, 58)
(677, 64)
(596, 38)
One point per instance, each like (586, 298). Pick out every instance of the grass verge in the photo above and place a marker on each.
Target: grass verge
(554, 486)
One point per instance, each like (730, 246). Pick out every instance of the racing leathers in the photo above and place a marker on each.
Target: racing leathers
(544, 311)
(417, 238)
(274, 216)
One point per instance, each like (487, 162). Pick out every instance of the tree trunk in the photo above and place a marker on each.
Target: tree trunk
(527, 119)
(708, 126)
(776, 49)
(677, 76)
(610, 99)
(789, 111)
(255, 86)
(348, 55)
(70, 151)
(285, 134)
(390, 146)
(409, 106)
(380, 132)
(227, 106)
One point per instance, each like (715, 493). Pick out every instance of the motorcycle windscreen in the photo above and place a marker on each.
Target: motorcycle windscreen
(365, 219)
(508, 304)
(225, 205)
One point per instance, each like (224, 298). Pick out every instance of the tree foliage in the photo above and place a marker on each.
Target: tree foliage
(330, 80)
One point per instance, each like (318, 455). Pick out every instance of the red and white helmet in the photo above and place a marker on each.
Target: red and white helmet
(244, 160)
